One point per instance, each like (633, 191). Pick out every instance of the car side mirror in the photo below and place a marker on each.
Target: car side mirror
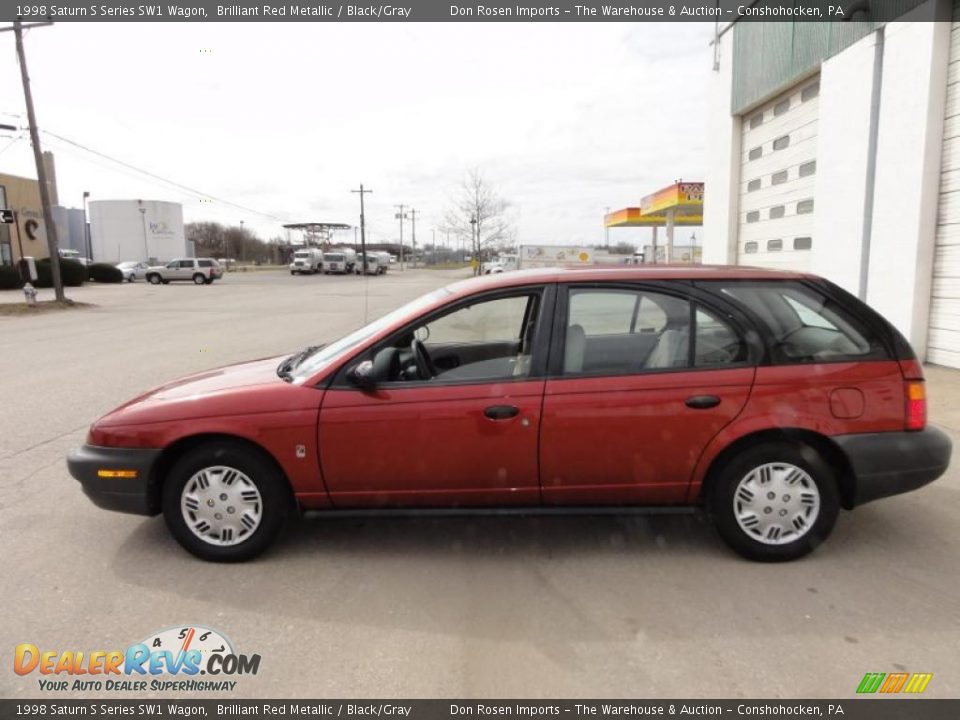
(362, 375)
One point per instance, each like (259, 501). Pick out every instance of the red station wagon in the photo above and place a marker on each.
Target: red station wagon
(771, 399)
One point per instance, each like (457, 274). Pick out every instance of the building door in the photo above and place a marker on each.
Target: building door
(943, 340)
(777, 174)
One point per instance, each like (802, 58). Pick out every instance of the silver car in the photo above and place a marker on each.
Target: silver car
(200, 271)
(133, 270)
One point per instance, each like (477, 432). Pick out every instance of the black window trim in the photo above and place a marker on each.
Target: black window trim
(539, 357)
(681, 290)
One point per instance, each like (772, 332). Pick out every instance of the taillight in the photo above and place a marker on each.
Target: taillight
(916, 405)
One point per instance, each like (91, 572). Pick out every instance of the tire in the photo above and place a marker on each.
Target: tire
(199, 279)
(254, 472)
(153, 279)
(809, 513)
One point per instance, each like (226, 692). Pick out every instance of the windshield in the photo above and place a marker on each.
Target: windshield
(325, 355)
(301, 254)
(333, 257)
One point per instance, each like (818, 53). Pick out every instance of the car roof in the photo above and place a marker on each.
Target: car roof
(630, 273)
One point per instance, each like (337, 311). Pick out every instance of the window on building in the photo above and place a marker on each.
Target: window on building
(781, 107)
(778, 178)
(774, 245)
(750, 247)
(781, 142)
(756, 121)
(802, 243)
(808, 168)
(753, 216)
(810, 91)
(755, 153)
(805, 207)
(753, 185)
(777, 212)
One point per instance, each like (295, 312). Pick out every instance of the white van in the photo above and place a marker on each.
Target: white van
(306, 260)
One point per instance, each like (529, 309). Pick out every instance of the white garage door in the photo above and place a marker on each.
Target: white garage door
(777, 172)
(943, 341)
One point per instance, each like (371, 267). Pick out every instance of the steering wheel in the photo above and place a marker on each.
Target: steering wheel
(425, 365)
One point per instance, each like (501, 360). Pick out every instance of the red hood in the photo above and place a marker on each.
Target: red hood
(245, 387)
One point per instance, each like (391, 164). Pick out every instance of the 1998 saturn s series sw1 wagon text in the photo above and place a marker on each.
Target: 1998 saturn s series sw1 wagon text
(771, 399)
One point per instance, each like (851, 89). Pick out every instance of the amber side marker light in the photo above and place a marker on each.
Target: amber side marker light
(916, 410)
(117, 473)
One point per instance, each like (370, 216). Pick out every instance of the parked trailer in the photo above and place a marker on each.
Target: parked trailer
(307, 260)
(532, 256)
(339, 261)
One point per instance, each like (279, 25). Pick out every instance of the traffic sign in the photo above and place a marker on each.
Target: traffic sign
(6, 216)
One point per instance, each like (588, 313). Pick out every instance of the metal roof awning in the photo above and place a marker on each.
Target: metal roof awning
(681, 203)
(317, 233)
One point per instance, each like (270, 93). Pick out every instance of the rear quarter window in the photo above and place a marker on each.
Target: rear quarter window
(803, 323)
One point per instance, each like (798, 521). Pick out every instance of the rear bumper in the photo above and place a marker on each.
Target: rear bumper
(130, 495)
(886, 464)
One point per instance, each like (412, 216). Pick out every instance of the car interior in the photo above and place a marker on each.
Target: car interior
(805, 325)
(489, 339)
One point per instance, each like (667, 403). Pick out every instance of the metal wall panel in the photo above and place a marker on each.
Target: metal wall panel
(943, 343)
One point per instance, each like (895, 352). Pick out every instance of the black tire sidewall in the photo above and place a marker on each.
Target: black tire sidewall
(274, 493)
(721, 492)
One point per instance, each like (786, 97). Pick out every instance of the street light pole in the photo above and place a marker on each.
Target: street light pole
(606, 230)
(413, 235)
(363, 231)
(476, 245)
(86, 228)
(401, 217)
(51, 229)
(143, 220)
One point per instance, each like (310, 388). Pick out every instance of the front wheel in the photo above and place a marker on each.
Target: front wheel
(153, 279)
(225, 502)
(775, 501)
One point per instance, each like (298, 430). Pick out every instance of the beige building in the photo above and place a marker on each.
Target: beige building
(22, 195)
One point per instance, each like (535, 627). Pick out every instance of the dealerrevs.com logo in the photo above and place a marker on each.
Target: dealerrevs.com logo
(190, 658)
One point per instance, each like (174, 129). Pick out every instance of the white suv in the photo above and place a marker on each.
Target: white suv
(201, 271)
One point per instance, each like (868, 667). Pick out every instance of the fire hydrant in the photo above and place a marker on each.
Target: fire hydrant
(30, 293)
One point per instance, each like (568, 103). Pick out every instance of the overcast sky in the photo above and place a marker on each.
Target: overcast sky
(284, 119)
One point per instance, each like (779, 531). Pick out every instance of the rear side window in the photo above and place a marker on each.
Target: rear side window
(620, 331)
(803, 323)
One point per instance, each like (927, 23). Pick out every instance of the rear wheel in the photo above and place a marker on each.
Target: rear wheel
(775, 501)
(199, 279)
(225, 502)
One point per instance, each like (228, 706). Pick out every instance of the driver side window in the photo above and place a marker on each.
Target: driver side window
(486, 340)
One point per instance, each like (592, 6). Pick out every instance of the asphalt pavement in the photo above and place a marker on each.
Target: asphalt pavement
(573, 607)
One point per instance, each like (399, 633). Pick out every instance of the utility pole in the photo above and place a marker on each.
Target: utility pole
(363, 231)
(52, 246)
(606, 230)
(413, 234)
(401, 217)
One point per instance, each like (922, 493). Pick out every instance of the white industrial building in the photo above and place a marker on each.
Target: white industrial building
(149, 230)
(835, 148)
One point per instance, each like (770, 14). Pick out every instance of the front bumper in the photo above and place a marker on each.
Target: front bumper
(891, 463)
(136, 495)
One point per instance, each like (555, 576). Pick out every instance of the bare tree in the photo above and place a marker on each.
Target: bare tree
(477, 211)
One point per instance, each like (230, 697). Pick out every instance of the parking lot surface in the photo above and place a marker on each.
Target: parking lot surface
(639, 606)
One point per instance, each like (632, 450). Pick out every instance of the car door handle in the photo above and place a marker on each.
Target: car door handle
(702, 402)
(501, 412)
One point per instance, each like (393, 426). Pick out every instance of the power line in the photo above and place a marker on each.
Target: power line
(175, 184)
